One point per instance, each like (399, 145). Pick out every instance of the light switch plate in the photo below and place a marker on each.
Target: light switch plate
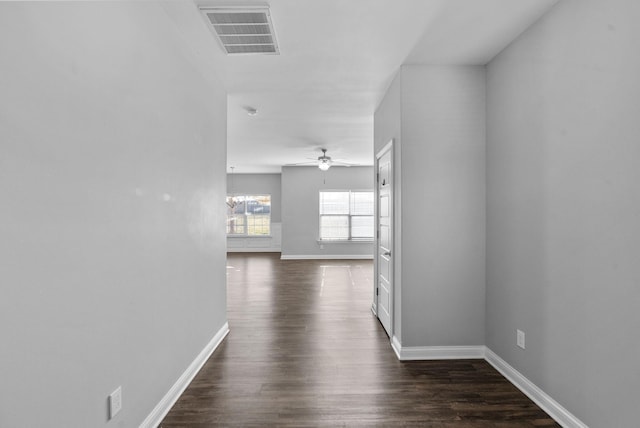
(520, 338)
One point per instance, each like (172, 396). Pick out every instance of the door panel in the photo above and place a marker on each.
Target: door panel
(384, 177)
(385, 237)
(384, 301)
(384, 268)
(384, 206)
(384, 261)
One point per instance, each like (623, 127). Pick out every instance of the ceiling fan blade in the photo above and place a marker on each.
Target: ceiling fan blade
(301, 163)
(342, 163)
(324, 159)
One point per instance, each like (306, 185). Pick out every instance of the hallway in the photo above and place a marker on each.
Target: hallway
(305, 350)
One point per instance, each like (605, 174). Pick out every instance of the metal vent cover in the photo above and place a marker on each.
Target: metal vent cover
(243, 31)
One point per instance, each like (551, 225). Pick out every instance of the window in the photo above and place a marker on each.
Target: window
(249, 215)
(346, 215)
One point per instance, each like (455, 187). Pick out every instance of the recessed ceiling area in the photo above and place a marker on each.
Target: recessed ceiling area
(336, 60)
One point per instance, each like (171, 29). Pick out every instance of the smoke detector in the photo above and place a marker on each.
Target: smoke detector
(243, 30)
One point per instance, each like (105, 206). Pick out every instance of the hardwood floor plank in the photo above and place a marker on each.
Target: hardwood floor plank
(305, 351)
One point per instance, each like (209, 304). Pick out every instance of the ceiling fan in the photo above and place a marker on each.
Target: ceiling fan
(324, 162)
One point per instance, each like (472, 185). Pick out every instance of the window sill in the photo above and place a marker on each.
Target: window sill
(249, 236)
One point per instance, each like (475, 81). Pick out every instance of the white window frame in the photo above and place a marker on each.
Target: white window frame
(350, 218)
(246, 216)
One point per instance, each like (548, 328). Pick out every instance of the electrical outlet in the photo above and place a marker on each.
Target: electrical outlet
(115, 402)
(520, 338)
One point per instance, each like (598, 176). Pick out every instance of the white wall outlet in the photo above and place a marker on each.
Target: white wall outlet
(115, 402)
(520, 338)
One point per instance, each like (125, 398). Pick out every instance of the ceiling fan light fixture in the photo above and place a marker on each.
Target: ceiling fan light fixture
(324, 161)
(324, 164)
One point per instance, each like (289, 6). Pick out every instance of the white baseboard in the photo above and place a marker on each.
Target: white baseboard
(561, 415)
(253, 250)
(538, 396)
(407, 353)
(327, 257)
(170, 398)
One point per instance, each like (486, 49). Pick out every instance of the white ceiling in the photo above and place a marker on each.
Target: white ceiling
(337, 58)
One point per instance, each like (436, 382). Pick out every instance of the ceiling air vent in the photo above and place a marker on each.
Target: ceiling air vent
(243, 31)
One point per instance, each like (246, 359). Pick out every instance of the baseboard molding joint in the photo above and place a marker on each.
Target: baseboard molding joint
(561, 415)
(327, 257)
(538, 396)
(409, 353)
(253, 250)
(170, 398)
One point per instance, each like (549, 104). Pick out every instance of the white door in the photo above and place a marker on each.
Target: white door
(384, 223)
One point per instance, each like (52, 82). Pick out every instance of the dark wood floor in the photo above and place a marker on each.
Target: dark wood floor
(305, 351)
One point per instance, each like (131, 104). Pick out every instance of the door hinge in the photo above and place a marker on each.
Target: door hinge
(377, 291)
(377, 177)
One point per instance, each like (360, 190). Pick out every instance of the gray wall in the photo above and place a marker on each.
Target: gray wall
(259, 184)
(113, 246)
(440, 154)
(300, 209)
(563, 177)
(443, 205)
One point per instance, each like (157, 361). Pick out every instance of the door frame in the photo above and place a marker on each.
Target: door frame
(389, 147)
